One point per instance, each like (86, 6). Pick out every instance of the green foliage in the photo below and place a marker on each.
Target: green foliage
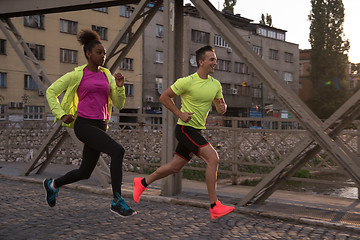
(355, 68)
(229, 6)
(302, 173)
(328, 60)
(250, 182)
(266, 20)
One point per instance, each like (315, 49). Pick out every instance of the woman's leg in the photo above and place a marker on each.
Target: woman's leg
(88, 163)
(94, 135)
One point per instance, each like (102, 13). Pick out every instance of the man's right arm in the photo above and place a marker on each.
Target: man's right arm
(166, 99)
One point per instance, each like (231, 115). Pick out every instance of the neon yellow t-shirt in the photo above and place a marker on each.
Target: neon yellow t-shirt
(196, 96)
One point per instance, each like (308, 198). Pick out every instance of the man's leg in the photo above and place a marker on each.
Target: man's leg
(210, 156)
(140, 184)
(175, 166)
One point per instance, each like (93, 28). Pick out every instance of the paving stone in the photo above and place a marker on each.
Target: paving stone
(84, 215)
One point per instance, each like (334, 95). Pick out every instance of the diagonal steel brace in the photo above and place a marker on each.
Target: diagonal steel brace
(285, 95)
(298, 158)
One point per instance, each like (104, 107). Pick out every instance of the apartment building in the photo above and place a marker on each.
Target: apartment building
(53, 40)
(242, 89)
(304, 75)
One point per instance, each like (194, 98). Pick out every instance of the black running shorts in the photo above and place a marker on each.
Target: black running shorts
(190, 141)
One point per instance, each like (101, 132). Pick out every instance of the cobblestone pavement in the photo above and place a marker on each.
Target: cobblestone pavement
(83, 215)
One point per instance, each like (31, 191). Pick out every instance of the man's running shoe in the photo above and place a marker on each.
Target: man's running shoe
(138, 189)
(220, 210)
(50, 193)
(121, 208)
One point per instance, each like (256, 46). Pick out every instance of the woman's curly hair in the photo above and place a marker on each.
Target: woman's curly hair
(89, 39)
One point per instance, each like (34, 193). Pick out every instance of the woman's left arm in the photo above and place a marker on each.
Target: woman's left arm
(117, 91)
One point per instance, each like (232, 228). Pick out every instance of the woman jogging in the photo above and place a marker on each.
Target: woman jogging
(91, 91)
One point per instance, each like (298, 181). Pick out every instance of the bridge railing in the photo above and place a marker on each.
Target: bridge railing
(249, 148)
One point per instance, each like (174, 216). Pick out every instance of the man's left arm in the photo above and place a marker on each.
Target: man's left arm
(220, 105)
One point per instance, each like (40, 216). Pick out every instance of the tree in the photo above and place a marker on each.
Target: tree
(229, 6)
(328, 60)
(355, 68)
(266, 21)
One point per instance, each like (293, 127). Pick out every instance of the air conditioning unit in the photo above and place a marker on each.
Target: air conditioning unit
(20, 105)
(41, 93)
(12, 105)
(149, 99)
(233, 91)
(229, 50)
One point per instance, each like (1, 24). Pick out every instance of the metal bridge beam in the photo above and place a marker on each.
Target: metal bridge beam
(285, 95)
(138, 15)
(172, 70)
(298, 158)
(102, 170)
(18, 8)
(29, 60)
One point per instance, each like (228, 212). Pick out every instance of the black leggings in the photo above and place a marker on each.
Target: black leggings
(93, 134)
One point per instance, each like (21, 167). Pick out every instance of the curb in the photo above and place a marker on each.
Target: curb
(199, 204)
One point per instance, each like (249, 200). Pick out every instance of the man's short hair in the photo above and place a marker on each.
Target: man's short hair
(200, 53)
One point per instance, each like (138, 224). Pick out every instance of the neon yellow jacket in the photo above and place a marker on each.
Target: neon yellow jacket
(70, 83)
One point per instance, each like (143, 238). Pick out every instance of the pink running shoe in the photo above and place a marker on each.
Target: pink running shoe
(138, 189)
(220, 210)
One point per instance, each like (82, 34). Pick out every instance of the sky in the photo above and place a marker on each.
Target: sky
(292, 16)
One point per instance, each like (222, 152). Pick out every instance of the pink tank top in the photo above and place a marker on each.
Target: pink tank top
(93, 93)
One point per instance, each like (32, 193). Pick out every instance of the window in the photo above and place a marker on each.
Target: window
(243, 90)
(226, 87)
(274, 54)
(102, 31)
(125, 39)
(193, 62)
(2, 46)
(103, 9)
(220, 42)
(159, 57)
(258, 50)
(33, 112)
(159, 31)
(289, 57)
(128, 89)
(261, 31)
(30, 83)
(280, 36)
(2, 80)
(256, 92)
(241, 68)
(223, 65)
(67, 26)
(2, 112)
(68, 56)
(200, 37)
(126, 11)
(288, 76)
(37, 50)
(159, 84)
(271, 34)
(35, 21)
(127, 64)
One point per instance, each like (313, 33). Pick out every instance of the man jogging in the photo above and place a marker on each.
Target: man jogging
(197, 92)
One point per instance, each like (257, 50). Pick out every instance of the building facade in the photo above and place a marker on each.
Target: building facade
(242, 90)
(304, 75)
(53, 40)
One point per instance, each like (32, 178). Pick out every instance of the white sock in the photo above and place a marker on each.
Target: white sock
(52, 185)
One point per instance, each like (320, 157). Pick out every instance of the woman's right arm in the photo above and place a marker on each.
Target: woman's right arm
(52, 93)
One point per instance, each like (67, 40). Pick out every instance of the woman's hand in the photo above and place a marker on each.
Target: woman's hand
(120, 79)
(67, 119)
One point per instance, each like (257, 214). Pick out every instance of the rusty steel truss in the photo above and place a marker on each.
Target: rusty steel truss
(324, 134)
